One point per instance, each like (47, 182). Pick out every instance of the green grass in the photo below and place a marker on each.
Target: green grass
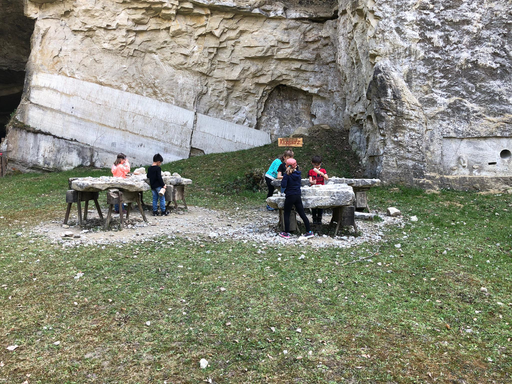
(413, 314)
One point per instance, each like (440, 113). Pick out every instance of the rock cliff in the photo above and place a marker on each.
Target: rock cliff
(423, 86)
(173, 77)
(429, 89)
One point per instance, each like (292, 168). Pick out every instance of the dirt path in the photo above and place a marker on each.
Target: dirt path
(257, 225)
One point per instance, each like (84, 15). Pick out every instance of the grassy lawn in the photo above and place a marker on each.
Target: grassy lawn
(433, 304)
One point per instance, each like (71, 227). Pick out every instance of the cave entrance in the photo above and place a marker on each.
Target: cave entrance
(15, 33)
(286, 109)
(11, 89)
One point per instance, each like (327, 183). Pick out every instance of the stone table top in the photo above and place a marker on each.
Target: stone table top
(318, 196)
(96, 184)
(174, 179)
(357, 183)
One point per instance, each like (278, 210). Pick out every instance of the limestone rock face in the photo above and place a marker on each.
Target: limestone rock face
(423, 86)
(174, 77)
(428, 86)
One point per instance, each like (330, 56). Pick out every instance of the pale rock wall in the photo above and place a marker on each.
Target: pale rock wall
(210, 64)
(429, 89)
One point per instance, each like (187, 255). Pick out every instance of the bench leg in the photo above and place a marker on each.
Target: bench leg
(109, 216)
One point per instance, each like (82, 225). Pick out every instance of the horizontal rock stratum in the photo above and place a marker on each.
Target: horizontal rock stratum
(424, 87)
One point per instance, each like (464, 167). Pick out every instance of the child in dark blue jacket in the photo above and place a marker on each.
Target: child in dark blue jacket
(291, 184)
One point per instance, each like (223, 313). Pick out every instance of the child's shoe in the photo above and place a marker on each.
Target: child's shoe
(165, 213)
(155, 213)
(309, 234)
(284, 235)
(269, 208)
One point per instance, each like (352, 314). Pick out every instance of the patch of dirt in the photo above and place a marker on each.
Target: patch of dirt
(256, 224)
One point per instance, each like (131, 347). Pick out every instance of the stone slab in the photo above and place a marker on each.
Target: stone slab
(478, 156)
(318, 196)
(213, 135)
(95, 184)
(356, 183)
(108, 119)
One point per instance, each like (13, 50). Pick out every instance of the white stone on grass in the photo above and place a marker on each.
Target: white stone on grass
(203, 363)
(393, 212)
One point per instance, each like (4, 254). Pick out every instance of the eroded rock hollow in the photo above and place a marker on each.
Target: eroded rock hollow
(424, 87)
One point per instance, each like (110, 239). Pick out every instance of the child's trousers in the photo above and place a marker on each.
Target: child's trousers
(317, 215)
(289, 202)
(157, 198)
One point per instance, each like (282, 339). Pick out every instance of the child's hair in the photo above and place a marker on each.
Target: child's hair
(120, 158)
(291, 164)
(316, 160)
(158, 157)
(287, 153)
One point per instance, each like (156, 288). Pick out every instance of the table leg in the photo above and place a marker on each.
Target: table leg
(121, 209)
(68, 211)
(128, 209)
(79, 205)
(292, 218)
(109, 216)
(336, 218)
(139, 202)
(98, 208)
(86, 209)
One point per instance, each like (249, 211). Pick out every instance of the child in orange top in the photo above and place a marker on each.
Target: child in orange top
(317, 176)
(120, 168)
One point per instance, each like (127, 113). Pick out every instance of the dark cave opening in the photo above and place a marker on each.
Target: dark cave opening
(11, 90)
(15, 34)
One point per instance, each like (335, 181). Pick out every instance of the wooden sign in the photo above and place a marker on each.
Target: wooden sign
(289, 142)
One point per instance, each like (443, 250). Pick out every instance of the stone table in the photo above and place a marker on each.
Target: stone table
(175, 186)
(339, 197)
(360, 187)
(120, 191)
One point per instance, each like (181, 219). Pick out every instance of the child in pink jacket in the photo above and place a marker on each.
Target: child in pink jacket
(120, 168)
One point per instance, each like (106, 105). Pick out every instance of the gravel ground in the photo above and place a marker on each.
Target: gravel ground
(255, 225)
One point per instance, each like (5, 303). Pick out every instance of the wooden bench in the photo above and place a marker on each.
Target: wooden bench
(343, 216)
(174, 193)
(77, 197)
(116, 196)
